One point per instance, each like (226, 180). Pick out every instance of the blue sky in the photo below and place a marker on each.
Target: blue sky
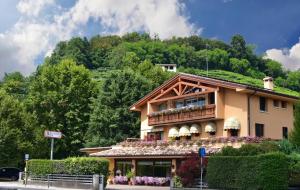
(29, 29)
(266, 23)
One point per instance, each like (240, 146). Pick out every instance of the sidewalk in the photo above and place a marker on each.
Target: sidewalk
(18, 185)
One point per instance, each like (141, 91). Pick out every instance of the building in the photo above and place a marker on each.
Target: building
(168, 67)
(190, 111)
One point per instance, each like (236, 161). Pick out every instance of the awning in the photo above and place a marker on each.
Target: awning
(173, 132)
(184, 131)
(195, 128)
(210, 127)
(232, 123)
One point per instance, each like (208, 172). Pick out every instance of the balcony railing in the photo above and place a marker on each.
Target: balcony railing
(181, 115)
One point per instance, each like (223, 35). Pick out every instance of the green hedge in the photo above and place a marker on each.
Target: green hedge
(294, 169)
(266, 171)
(76, 166)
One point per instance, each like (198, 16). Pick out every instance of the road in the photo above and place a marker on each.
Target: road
(19, 186)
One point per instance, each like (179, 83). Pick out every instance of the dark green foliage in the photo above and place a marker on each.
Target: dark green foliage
(250, 149)
(295, 134)
(294, 169)
(265, 171)
(77, 49)
(44, 167)
(72, 166)
(238, 47)
(15, 131)
(111, 120)
(59, 98)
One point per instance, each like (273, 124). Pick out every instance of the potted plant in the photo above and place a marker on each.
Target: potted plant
(130, 176)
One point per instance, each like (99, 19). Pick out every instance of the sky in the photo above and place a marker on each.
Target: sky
(30, 29)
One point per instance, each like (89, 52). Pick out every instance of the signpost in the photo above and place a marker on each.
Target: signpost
(202, 154)
(52, 135)
(26, 165)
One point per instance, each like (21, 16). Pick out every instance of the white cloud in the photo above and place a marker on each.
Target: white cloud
(44, 23)
(290, 58)
(33, 7)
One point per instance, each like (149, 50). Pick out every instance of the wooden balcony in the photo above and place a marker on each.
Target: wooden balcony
(181, 115)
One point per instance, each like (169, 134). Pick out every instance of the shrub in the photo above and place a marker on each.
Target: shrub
(189, 170)
(265, 171)
(86, 166)
(72, 166)
(294, 170)
(286, 146)
(250, 149)
(43, 167)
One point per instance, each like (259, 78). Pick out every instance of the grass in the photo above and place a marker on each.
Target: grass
(238, 78)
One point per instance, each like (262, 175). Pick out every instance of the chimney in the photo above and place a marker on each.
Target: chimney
(268, 83)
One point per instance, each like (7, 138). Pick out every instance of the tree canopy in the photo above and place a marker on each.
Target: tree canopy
(84, 89)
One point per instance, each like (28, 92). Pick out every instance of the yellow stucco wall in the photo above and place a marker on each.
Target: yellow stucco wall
(231, 103)
(111, 168)
(144, 122)
(273, 119)
(236, 106)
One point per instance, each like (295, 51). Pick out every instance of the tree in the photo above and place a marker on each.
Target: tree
(239, 66)
(77, 49)
(238, 47)
(59, 97)
(153, 73)
(295, 134)
(15, 134)
(111, 121)
(273, 69)
(15, 84)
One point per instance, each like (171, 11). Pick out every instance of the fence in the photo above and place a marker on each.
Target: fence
(95, 182)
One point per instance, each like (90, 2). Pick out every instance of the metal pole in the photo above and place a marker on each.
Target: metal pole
(52, 145)
(201, 176)
(206, 60)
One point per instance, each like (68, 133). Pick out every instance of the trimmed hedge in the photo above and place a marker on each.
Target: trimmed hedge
(72, 166)
(265, 171)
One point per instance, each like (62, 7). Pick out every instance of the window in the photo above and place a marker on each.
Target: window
(233, 132)
(153, 136)
(162, 107)
(285, 132)
(276, 103)
(191, 102)
(211, 98)
(283, 104)
(262, 104)
(159, 168)
(122, 167)
(201, 101)
(259, 130)
(179, 104)
(171, 67)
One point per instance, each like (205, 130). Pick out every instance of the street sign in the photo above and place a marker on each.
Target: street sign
(202, 152)
(53, 134)
(26, 157)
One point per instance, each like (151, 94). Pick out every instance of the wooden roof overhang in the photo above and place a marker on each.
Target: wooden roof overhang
(209, 81)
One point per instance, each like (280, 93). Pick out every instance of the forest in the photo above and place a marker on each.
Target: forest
(84, 89)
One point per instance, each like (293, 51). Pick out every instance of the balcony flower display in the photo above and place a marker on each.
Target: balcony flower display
(176, 110)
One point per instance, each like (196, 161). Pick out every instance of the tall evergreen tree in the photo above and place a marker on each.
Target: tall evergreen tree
(295, 134)
(111, 120)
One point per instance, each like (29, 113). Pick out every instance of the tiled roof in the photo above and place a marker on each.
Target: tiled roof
(171, 148)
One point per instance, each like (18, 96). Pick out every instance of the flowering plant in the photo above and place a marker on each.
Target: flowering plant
(155, 181)
(120, 180)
